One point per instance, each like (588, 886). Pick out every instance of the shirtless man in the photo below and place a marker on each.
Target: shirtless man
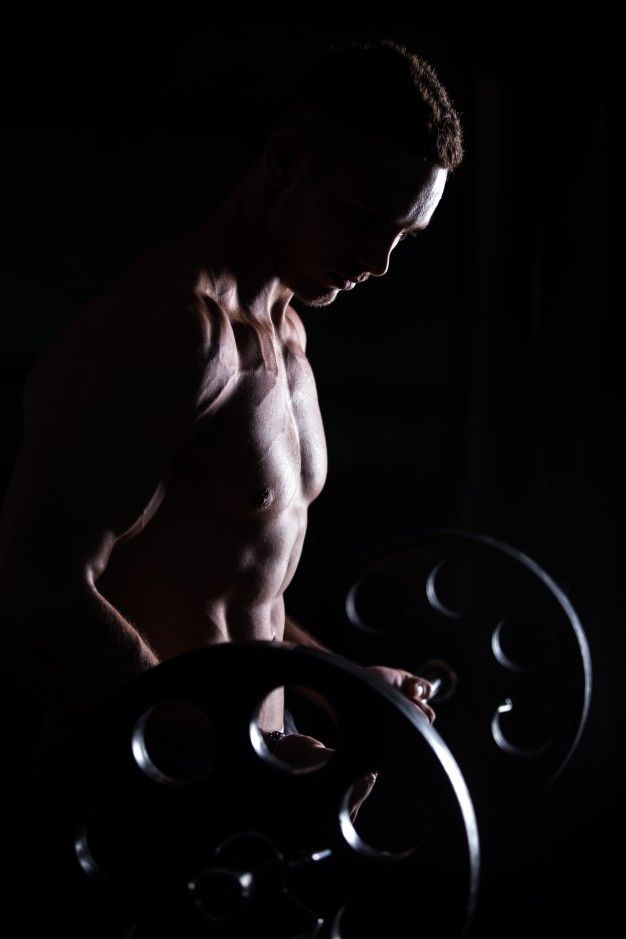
(172, 436)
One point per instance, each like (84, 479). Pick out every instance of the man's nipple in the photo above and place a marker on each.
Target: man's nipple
(263, 498)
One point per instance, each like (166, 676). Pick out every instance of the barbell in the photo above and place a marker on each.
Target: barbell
(488, 628)
(246, 846)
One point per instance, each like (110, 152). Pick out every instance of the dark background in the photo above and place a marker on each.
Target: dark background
(479, 385)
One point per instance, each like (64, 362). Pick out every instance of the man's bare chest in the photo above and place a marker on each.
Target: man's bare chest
(262, 450)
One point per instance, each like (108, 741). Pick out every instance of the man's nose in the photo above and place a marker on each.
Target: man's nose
(376, 262)
(380, 270)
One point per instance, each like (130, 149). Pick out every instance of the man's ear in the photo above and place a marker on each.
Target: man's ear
(284, 158)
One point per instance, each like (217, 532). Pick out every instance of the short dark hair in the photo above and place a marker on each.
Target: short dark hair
(360, 89)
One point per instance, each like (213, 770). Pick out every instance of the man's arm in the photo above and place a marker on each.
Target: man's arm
(67, 645)
(295, 633)
(418, 690)
(104, 414)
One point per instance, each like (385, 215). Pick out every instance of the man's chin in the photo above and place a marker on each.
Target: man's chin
(317, 298)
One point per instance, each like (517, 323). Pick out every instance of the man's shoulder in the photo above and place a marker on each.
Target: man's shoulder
(165, 299)
(151, 330)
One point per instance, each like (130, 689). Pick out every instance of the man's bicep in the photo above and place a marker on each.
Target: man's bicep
(76, 499)
(100, 432)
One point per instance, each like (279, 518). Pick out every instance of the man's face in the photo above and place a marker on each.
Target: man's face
(344, 223)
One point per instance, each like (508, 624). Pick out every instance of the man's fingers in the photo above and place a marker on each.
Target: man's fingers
(424, 709)
(302, 751)
(428, 712)
(420, 688)
(360, 792)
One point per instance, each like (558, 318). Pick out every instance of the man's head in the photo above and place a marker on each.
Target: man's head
(356, 157)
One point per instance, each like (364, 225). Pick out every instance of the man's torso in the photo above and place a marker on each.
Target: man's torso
(216, 545)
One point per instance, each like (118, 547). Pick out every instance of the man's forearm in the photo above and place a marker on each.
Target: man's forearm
(295, 633)
(71, 647)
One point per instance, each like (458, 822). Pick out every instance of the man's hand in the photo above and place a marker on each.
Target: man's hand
(302, 751)
(417, 690)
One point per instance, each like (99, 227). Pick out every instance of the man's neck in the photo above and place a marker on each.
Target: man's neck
(233, 247)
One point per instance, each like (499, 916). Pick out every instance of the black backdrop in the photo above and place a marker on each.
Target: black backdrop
(495, 401)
